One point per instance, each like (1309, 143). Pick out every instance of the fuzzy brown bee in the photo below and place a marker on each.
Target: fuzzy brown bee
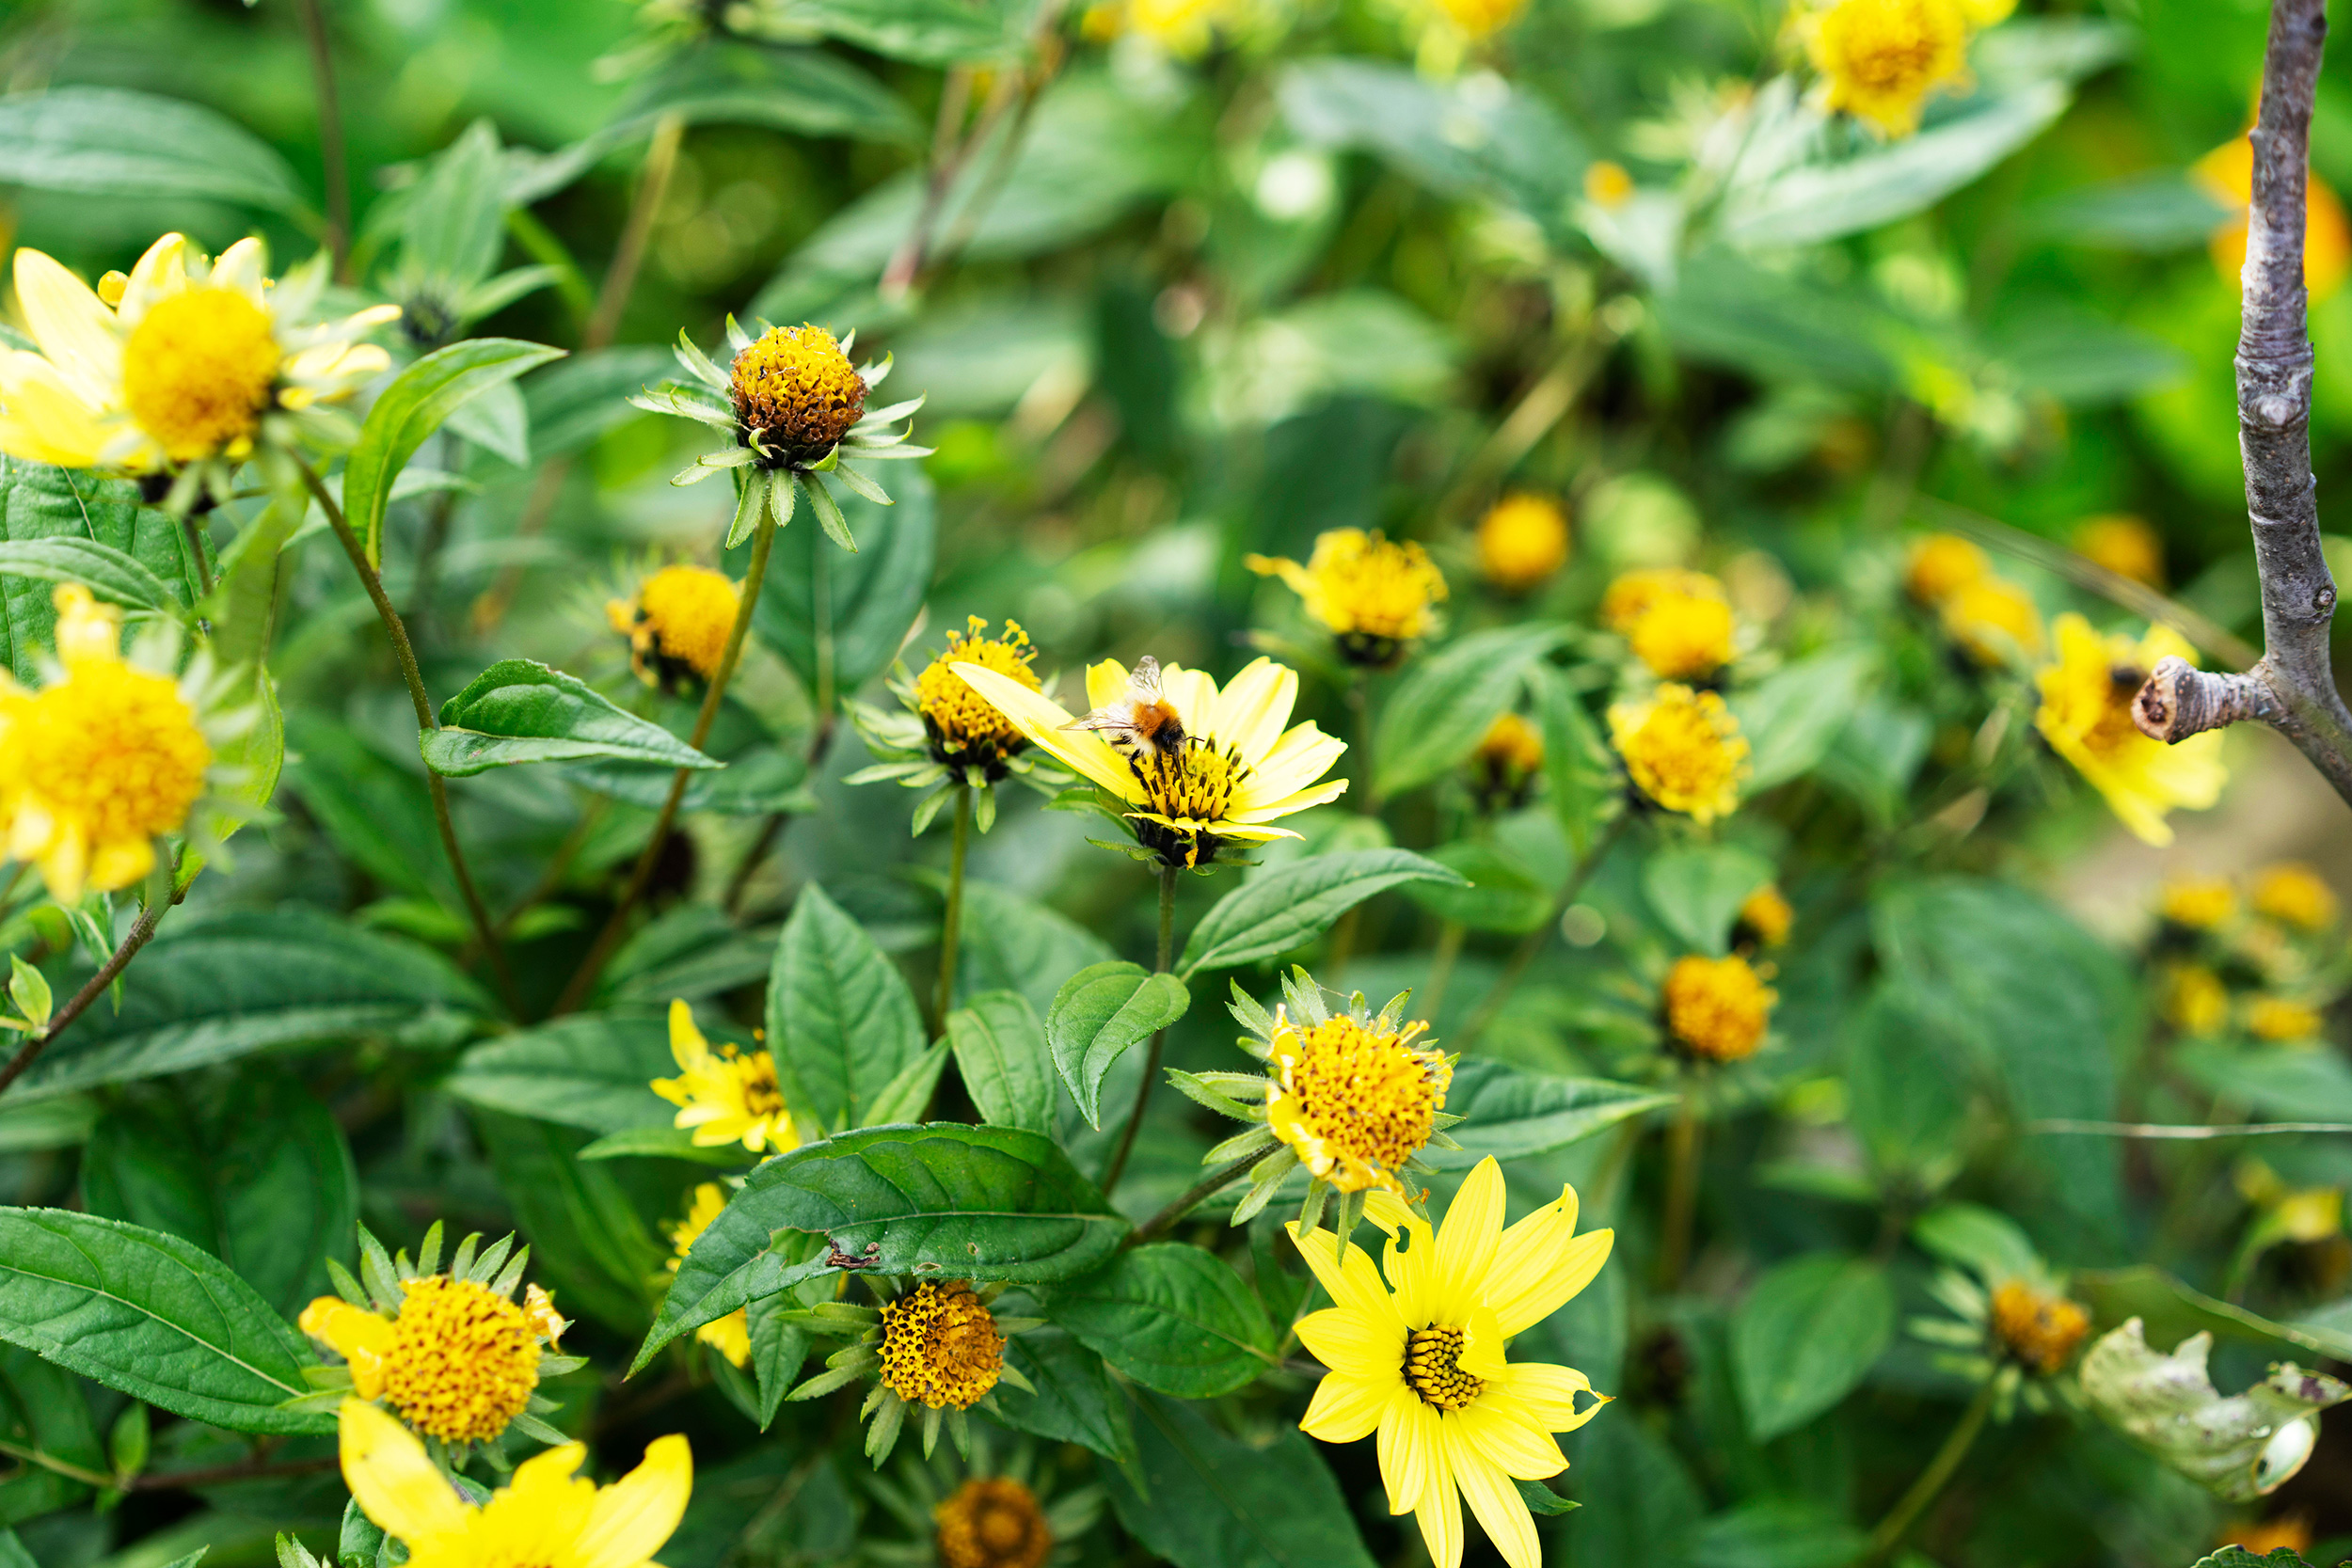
(1140, 722)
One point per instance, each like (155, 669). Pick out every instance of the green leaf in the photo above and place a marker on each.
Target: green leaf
(1287, 907)
(841, 1021)
(106, 572)
(412, 407)
(1513, 1114)
(1696, 891)
(1542, 1500)
(1496, 895)
(1002, 1056)
(906, 1097)
(1578, 772)
(590, 1070)
(2173, 1311)
(2275, 1080)
(837, 618)
(1791, 716)
(1907, 1084)
(453, 228)
(929, 32)
(1010, 943)
(666, 1143)
(1075, 1400)
(1980, 1239)
(215, 989)
(1101, 1012)
(151, 1316)
(576, 400)
(46, 1410)
(1200, 1499)
(1776, 1532)
(261, 1180)
(1807, 1333)
(807, 91)
(518, 710)
(691, 951)
(1172, 1317)
(758, 781)
(1447, 701)
(50, 515)
(588, 1241)
(110, 141)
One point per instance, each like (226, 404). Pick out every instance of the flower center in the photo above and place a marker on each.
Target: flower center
(463, 1362)
(993, 1524)
(2039, 1330)
(798, 391)
(1717, 1007)
(685, 615)
(111, 749)
(2113, 730)
(966, 727)
(1195, 784)
(757, 1073)
(1356, 1105)
(198, 370)
(940, 1346)
(1432, 1367)
(1686, 753)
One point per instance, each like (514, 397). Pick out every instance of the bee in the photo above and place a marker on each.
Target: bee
(1140, 722)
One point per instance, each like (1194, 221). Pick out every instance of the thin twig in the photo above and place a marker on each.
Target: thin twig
(1933, 1479)
(141, 930)
(952, 919)
(1200, 1193)
(220, 1474)
(2179, 1134)
(1117, 1167)
(330, 138)
(1682, 1187)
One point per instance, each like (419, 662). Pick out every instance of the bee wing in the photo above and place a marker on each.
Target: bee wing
(1143, 682)
(1120, 716)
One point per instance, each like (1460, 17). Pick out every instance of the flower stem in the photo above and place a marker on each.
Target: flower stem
(330, 138)
(950, 923)
(1450, 938)
(486, 931)
(1534, 941)
(1117, 1167)
(141, 930)
(1198, 1193)
(576, 991)
(1931, 1480)
(1682, 1187)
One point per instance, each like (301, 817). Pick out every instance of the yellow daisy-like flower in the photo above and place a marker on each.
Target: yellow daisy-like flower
(677, 624)
(1995, 621)
(730, 1336)
(2039, 1329)
(2124, 545)
(179, 362)
(1683, 637)
(111, 753)
(1682, 750)
(1765, 916)
(2293, 894)
(1181, 27)
(1880, 59)
(940, 1346)
(1607, 184)
(1479, 19)
(1420, 1359)
(1522, 540)
(725, 1096)
(1373, 593)
(459, 1363)
(1942, 565)
(548, 1517)
(2195, 1000)
(1505, 765)
(1234, 771)
(2197, 903)
(1716, 1008)
(1353, 1098)
(1635, 593)
(2279, 1017)
(993, 1522)
(965, 728)
(2086, 716)
(2227, 175)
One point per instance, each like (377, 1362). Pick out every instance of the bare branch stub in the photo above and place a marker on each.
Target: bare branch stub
(2292, 688)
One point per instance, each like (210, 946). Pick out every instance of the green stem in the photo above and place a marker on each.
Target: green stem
(1682, 1187)
(576, 989)
(330, 138)
(141, 930)
(953, 920)
(485, 929)
(1931, 1480)
(1117, 1167)
(1198, 1193)
(1534, 941)
(1450, 938)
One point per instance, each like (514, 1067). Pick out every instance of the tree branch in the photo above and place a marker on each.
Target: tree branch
(2293, 688)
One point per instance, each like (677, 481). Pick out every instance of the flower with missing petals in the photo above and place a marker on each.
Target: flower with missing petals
(1374, 594)
(1682, 750)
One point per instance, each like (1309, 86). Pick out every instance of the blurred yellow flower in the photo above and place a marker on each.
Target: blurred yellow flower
(725, 1096)
(1355, 1100)
(1634, 594)
(730, 1336)
(2227, 175)
(1522, 540)
(1509, 756)
(2199, 903)
(1716, 1008)
(1684, 638)
(2195, 1000)
(2277, 1017)
(1607, 184)
(2293, 894)
(1995, 621)
(2124, 545)
(1682, 750)
(2086, 716)
(2040, 1329)
(1942, 565)
(1880, 59)
(1765, 917)
(2291, 1532)
(1478, 19)
(992, 1522)
(1373, 593)
(677, 624)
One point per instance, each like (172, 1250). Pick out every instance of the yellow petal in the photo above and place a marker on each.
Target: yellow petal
(1352, 1343)
(1473, 1230)
(1107, 682)
(1496, 1502)
(635, 1515)
(1042, 720)
(687, 1046)
(392, 1481)
(75, 330)
(1345, 1409)
(162, 270)
(241, 268)
(122, 862)
(1254, 707)
(1193, 694)
(1407, 1448)
(351, 1331)
(1253, 813)
(1304, 754)
(43, 419)
(1546, 1284)
(1482, 1345)
(1493, 1430)
(1548, 1395)
(1439, 1513)
(1353, 1283)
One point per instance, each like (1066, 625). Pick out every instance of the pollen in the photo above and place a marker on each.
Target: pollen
(1522, 540)
(1354, 1101)
(940, 1346)
(1684, 636)
(2292, 894)
(965, 728)
(1765, 916)
(798, 392)
(463, 1359)
(2039, 1329)
(678, 624)
(1682, 750)
(1373, 593)
(1941, 565)
(1882, 59)
(2197, 903)
(1718, 1009)
(1433, 1368)
(2275, 1017)
(197, 371)
(993, 1523)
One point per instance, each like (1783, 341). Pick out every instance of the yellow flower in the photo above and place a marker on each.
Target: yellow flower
(2277, 1017)
(2086, 717)
(1421, 1360)
(2197, 903)
(730, 1336)
(1233, 773)
(2308, 1214)
(1522, 540)
(1683, 751)
(1718, 1009)
(1995, 620)
(1765, 917)
(965, 728)
(2227, 174)
(1373, 593)
(547, 1518)
(1606, 183)
(2292, 892)
(458, 1362)
(2124, 545)
(1941, 565)
(1181, 27)
(1479, 19)
(1355, 1099)
(2040, 1329)
(1880, 59)
(993, 1522)
(726, 1096)
(111, 754)
(2195, 1000)
(1683, 638)
(1985, 13)
(1635, 593)
(1504, 765)
(940, 1346)
(677, 624)
(177, 363)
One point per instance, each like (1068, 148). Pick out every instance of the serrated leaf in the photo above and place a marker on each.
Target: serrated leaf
(1098, 1014)
(1002, 1055)
(1285, 907)
(520, 711)
(592, 1070)
(1074, 1400)
(1199, 1498)
(1448, 700)
(1696, 891)
(1510, 1114)
(841, 1022)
